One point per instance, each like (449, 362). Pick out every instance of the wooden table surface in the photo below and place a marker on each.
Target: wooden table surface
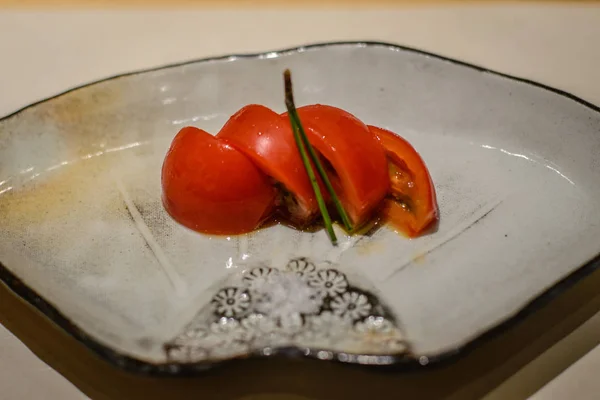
(50, 4)
(556, 45)
(471, 377)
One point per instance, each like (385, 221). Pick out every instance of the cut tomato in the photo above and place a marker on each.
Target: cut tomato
(412, 207)
(213, 188)
(356, 161)
(267, 139)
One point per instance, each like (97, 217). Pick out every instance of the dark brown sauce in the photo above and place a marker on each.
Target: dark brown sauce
(368, 228)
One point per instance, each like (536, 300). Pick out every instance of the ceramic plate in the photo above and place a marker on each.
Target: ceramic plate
(85, 239)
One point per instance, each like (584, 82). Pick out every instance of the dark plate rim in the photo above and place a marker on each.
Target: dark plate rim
(401, 362)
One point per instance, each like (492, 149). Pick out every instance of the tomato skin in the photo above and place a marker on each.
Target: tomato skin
(410, 181)
(267, 139)
(360, 179)
(210, 187)
(224, 184)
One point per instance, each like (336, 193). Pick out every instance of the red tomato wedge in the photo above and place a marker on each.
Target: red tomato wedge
(356, 161)
(413, 206)
(267, 139)
(213, 188)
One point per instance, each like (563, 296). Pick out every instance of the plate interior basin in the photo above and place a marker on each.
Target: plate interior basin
(516, 169)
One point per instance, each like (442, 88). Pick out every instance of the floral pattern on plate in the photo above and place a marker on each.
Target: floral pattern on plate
(301, 305)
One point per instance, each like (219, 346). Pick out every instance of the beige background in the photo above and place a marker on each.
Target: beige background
(47, 52)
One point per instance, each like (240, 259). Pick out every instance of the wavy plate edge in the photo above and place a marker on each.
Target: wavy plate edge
(397, 362)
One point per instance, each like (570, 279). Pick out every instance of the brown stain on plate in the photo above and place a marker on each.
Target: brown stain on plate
(76, 106)
(60, 193)
(370, 246)
(419, 258)
(85, 118)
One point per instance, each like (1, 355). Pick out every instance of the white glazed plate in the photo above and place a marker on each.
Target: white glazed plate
(85, 239)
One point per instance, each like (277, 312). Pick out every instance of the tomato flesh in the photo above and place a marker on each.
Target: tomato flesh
(211, 187)
(412, 205)
(231, 183)
(267, 139)
(358, 162)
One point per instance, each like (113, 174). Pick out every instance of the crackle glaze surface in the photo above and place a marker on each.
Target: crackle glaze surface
(302, 305)
(516, 168)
